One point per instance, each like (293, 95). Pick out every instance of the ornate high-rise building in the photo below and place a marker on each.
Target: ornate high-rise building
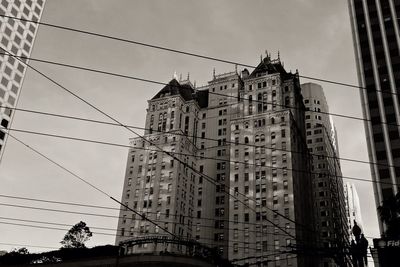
(376, 36)
(17, 38)
(329, 199)
(230, 179)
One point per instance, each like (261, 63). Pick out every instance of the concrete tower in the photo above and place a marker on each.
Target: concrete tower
(17, 38)
(329, 199)
(376, 36)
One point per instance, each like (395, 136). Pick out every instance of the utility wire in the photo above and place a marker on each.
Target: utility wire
(202, 157)
(141, 215)
(117, 230)
(24, 245)
(164, 84)
(210, 179)
(177, 51)
(193, 136)
(88, 183)
(107, 234)
(101, 228)
(164, 49)
(121, 217)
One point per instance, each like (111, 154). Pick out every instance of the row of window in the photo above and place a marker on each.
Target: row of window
(263, 84)
(223, 87)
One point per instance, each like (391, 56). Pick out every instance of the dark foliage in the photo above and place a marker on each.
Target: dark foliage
(77, 236)
(389, 213)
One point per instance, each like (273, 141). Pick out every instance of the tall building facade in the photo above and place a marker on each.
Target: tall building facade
(353, 207)
(376, 35)
(329, 198)
(17, 38)
(245, 193)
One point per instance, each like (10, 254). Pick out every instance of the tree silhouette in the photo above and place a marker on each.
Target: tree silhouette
(389, 212)
(23, 251)
(77, 236)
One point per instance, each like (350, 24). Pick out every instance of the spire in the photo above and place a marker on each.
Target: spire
(279, 56)
(261, 58)
(175, 76)
(236, 68)
(267, 56)
(188, 76)
(214, 73)
(194, 84)
(180, 77)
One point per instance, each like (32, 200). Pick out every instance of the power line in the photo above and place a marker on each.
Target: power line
(210, 179)
(194, 136)
(147, 212)
(175, 50)
(263, 207)
(119, 217)
(24, 245)
(88, 183)
(101, 228)
(102, 233)
(97, 109)
(119, 209)
(53, 223)
(108, 234)
(269, 209)
(184, 154)
(164, 84)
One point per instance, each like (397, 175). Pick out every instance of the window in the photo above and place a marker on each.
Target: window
(286, 198)
(285, 184)
(276, 244)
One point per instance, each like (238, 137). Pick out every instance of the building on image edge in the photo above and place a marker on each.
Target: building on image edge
(17, 38)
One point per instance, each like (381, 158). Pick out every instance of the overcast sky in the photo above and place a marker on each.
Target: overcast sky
(313, 36)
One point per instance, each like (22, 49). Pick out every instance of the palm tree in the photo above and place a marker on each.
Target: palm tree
(389, 213)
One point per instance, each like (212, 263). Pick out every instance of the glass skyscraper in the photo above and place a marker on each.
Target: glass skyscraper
(17, 38)
(376, 36)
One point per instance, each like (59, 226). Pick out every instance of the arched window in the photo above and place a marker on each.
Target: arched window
(272, 120)
(259, 97)
(172, 114)
(257, 139)
(246, 140)
(262, 138)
